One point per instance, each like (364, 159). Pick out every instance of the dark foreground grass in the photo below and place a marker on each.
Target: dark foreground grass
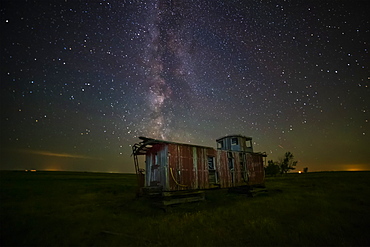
(66, 208)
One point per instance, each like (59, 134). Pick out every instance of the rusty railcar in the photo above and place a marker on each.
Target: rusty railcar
(172, 166)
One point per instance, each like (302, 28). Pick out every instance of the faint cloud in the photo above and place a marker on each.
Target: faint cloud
(62, 155)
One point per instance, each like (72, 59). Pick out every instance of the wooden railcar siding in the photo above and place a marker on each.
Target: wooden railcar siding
(189, 166)
(256, 172)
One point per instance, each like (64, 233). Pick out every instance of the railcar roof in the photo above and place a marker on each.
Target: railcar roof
(229, 136)
(142, 147)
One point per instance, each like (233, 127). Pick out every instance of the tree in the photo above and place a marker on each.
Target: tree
(287, 163)
(272, 169)
(305, 170)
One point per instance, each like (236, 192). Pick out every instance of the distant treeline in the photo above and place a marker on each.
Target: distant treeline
(282, 166)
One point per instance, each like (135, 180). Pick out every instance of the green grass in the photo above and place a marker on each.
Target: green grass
(67, 208)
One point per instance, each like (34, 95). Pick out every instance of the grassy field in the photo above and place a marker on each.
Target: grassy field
(66, 208)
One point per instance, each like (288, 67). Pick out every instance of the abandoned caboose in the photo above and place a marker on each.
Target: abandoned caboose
(178, 167)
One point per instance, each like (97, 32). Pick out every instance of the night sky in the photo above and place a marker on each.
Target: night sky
(82, 79)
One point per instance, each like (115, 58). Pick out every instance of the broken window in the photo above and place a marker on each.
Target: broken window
(230, 160)
(211, 162)
(234, 141)
(219, 145)
(156, 159)
(212, 178)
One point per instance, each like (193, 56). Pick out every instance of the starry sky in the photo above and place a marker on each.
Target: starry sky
(81, 80)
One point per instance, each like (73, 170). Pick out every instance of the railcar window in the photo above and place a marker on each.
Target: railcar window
(219, 145)
(211, 163)
(234, 141)
(156, 159)
(231, 163)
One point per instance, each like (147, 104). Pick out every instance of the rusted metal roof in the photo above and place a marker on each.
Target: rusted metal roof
(142, 147)
(230, 136)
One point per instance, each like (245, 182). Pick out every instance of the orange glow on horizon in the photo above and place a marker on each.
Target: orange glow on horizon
(354, 170)
(52, 169)
(355, 167)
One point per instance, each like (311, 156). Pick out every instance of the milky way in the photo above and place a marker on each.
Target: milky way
(82, 80)
(169, 66)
